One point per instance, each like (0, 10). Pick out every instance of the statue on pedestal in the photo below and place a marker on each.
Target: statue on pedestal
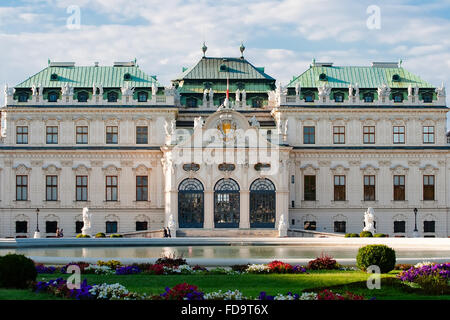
(282, 227)
(369, 219)
(172, 226)
(87, 217)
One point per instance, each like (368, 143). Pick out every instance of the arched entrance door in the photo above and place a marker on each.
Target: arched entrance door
(190, 204)
(226, 204)
(262, 204)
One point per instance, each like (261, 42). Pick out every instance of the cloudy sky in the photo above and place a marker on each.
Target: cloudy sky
(281, 35)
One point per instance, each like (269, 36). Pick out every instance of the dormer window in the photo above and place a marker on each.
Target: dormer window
(112, 96)
(257, 103)
(223, 68)
(338, 97)
(52, 96)
(309, 97)
(396, 78)
(23, 97)
(83, 96)
(142, 96)
(191, 102)
(207, 85)
(427, 97)
(54, 77)
(127, 77)
(368, 97)
(323, 77)
(398, 97)
(240, 85)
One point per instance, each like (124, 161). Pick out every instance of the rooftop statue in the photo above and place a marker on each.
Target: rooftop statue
(254, 122)
(198, 123)
(384, 91)
(440, 92)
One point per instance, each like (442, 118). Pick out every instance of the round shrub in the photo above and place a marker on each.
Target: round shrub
(352, 235)
(379, 235)
(366, 234)
(100, 235)
(376, 254)
(83, 235)
(16, 271)
(116, 236)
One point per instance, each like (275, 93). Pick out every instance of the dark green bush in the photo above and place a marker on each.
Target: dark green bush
(376, 254)
(100, 235)
(352, 235)
(366, 234)
(16, 271)
(116, 236)
(379, 235)
(239, 267)
(83, 235)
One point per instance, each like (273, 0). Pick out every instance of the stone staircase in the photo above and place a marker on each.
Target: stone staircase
(228, 233)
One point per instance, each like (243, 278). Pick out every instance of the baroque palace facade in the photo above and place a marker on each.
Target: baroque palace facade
(315, 153)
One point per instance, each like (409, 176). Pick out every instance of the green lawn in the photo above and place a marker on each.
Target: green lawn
(249, 284)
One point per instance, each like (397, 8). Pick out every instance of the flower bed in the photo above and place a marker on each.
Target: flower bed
(432, 278)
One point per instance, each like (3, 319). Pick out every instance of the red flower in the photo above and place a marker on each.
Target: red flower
(279, 267)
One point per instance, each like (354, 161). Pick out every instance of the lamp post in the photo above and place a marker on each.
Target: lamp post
(37, 233)
(416, 232)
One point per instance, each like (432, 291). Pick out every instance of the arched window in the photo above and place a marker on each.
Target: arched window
(190, 204)
(262, 204)
(142, 96)
(338, 97)
(397, 97)
(257, 103)
(52, 96)
(191, 102)
(226, 204)
(309, 97)
(112, 96)
(368, 97)
(83, 96)
(23, 97)
(427, 97)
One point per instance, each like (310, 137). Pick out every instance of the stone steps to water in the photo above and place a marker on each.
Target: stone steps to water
(245, 233)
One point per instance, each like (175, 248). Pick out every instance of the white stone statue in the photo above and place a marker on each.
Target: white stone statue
(298, 89)
(34, 90)
(41, 90)
(100, 89)
(66, 90)
(254, 122)
(87, 218)
(244, 95)
(282, 227)
(238, 95)
(440, 92)
(416, 91)
(170, 127)
(410, 91)
(154, 89)
(350, 90)
(324, 91)
(384, 91)
(9, 91)
(211, 96)
(172, 226)
(205, 95)
(94, 89)
(285, 127)
(369, 218)
(127, 90)
(357, 90)
(198, 123)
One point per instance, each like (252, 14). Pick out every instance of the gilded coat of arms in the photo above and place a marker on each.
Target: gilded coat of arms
(227, 127)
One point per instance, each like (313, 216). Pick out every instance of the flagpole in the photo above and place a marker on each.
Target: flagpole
(227, 100)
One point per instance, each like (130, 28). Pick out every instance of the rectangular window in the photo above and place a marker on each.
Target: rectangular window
(340, 226)
(309, 135)
(82, 135)
(399, 134)
(111, 188)
(399, 226)
(369, 135)
(141, 135)
(52, 135)
(51, 188)
(399, 188)
(21, 227)
(51, 226)
(112, 135)
(428, 187)
(21, 188)
(428, 134)
(141, 225)
(310, 188)
(82, 188)
(369, 188)
(141, 188)
(429, 226)
(339, 135)
(310, 225)
(339, 188)
(79, 226)
(22, 135)
(111, 226)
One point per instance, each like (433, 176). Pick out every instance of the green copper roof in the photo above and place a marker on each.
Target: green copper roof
(250, 87)
(220, 68)
(84, 77)
(365, 77)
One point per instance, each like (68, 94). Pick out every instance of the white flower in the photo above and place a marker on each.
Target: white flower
(308, 296)
(423, 263)
(229, 295)
(257, 268)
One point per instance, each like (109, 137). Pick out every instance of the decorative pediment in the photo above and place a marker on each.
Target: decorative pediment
(111, 170)
(309, 169)
(340, 217)
(51, 169)
(429, 169)
(141, 170)
(21, 217)
(369, 169)
(397, 121)
(23, 122)
(21, 169)
(142, 217)
(51, 217)
(81, 170)
(51, 121)
(339, 169)
(399, 217)
(110, 121)
(309, 217)
(112, 217)
(82, 122)
(399, 169)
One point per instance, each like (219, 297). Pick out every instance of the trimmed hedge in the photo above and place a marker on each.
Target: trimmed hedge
(352, 235)
(100, 235)
(366, 234)
(116, 236)
(16, 271)
(376, 254)
(83, 235)
(380, 235)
